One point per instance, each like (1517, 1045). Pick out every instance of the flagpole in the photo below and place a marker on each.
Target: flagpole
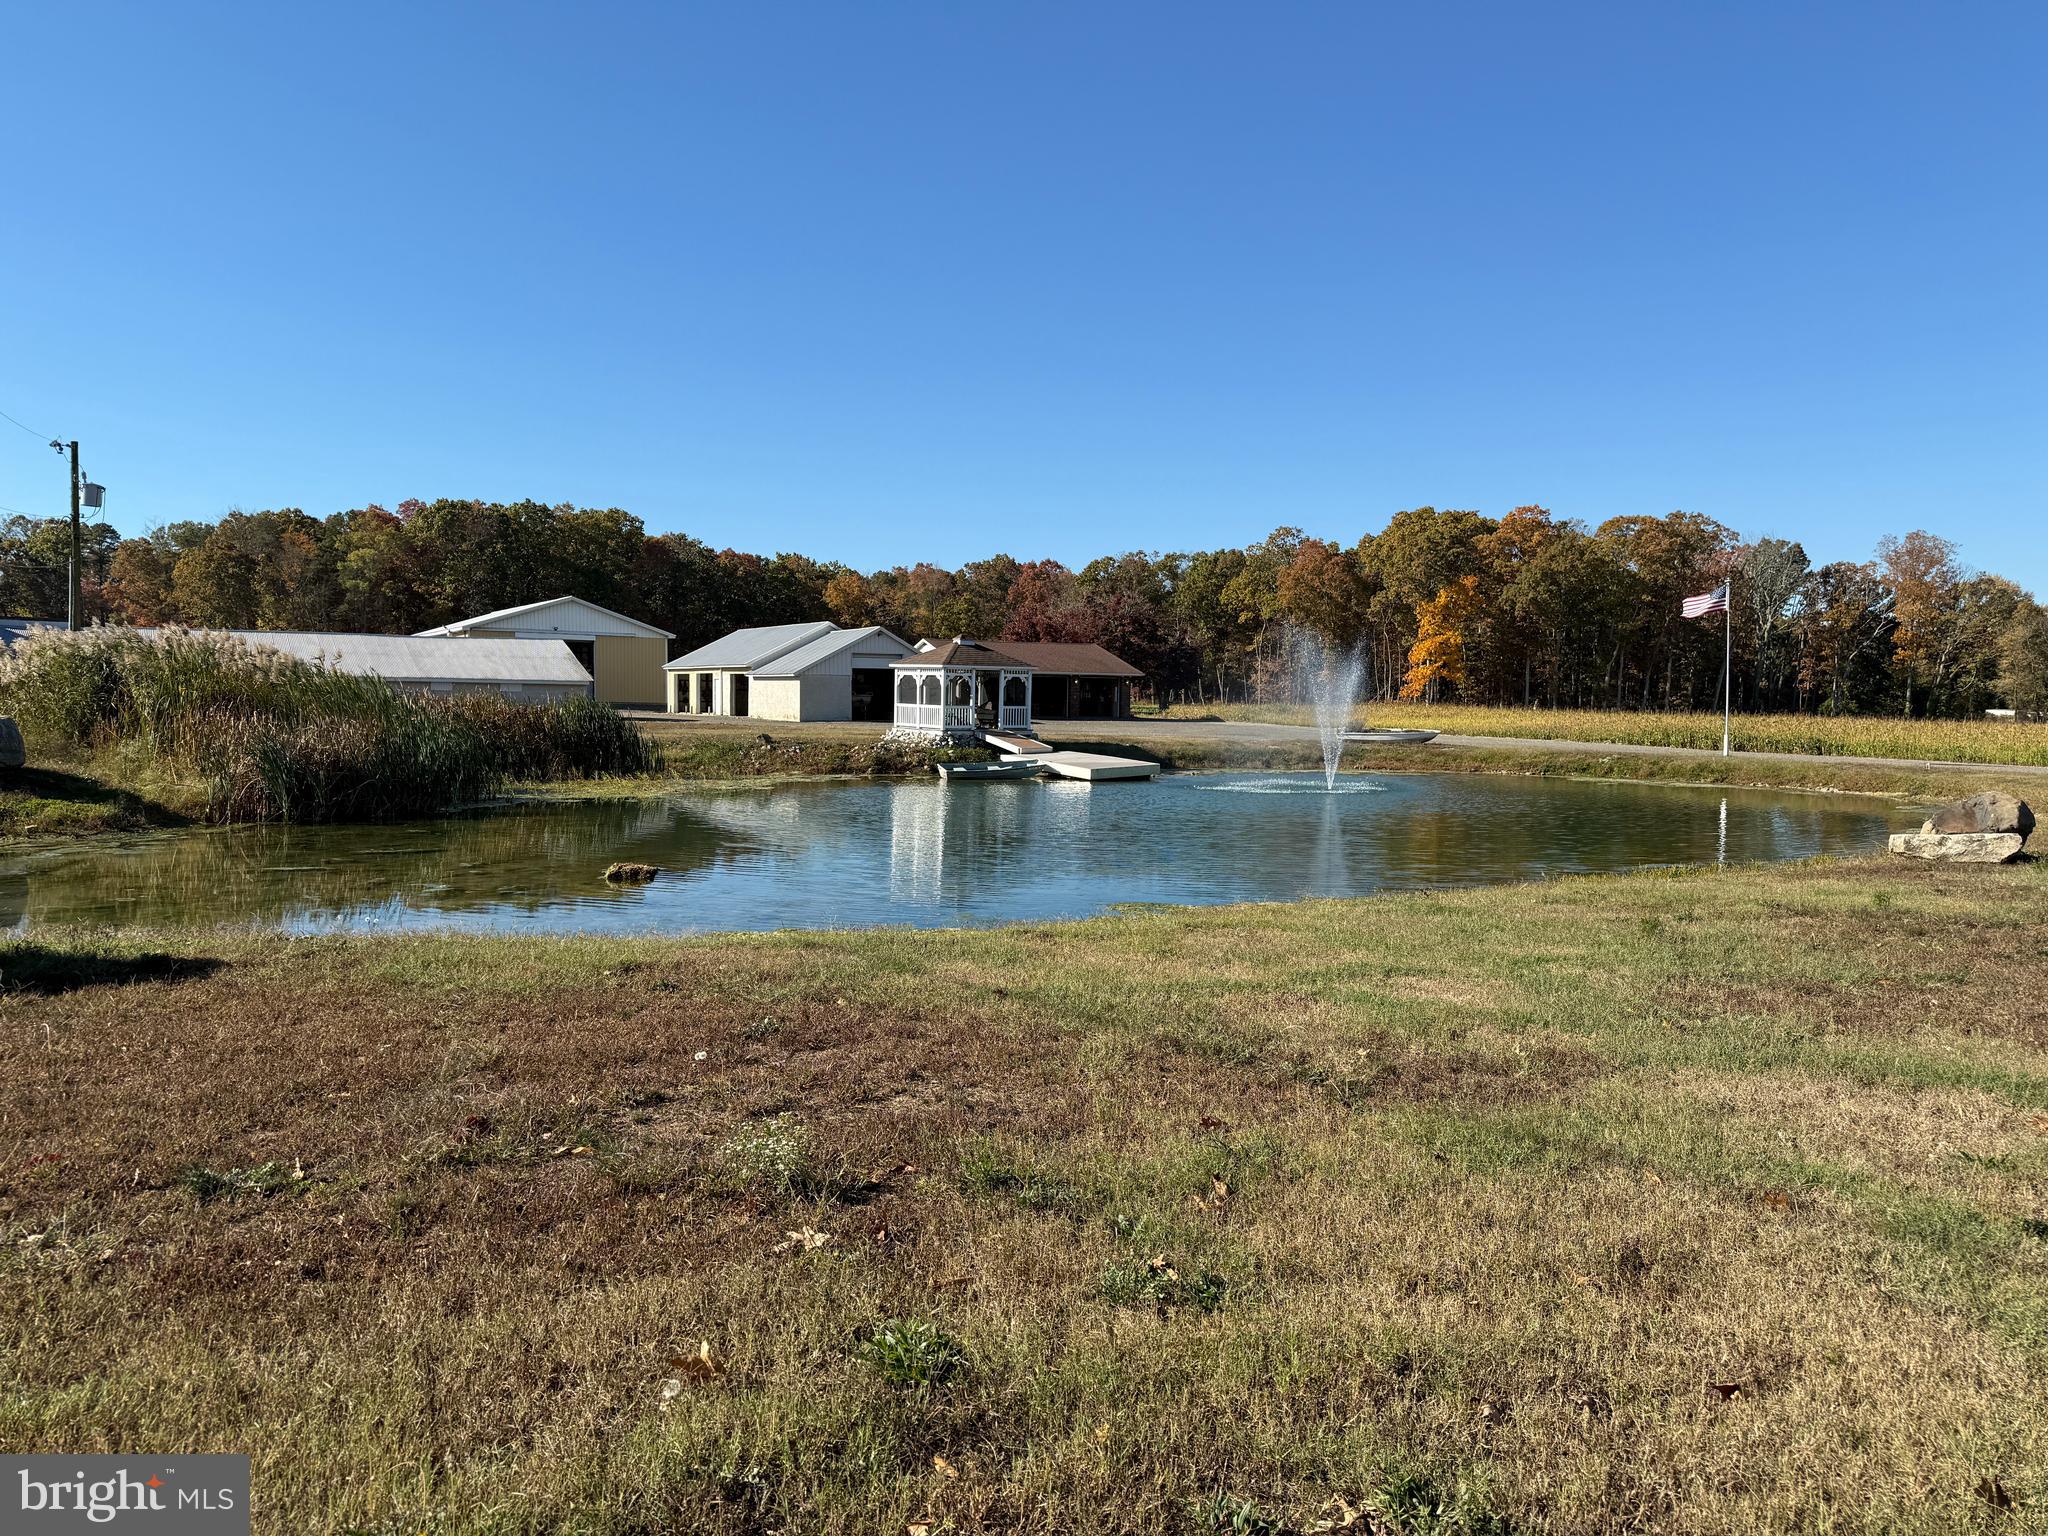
(1727, 663)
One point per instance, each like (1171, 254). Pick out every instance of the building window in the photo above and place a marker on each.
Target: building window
(1013, 691)
(963, 689)
(906, 689)
(928, 690)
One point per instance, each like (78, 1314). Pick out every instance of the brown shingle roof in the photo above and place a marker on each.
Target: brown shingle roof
(1025, 656)
(1083, 660)
(963, 653)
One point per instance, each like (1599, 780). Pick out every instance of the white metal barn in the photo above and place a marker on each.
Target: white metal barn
(534, 671)
(814, 671)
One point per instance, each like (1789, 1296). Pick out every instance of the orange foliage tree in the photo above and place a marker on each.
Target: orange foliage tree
(1443, 630)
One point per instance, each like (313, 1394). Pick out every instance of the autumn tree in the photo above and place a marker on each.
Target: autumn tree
(1926, 582)
(1443, 629)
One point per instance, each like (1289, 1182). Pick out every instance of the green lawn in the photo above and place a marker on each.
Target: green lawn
(1703, 1202)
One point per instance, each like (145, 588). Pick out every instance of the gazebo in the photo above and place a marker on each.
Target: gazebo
(959, 689)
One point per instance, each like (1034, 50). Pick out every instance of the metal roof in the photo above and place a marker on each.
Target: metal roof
(745, 649)
(500, 615)
(416, 658)
(811, 652)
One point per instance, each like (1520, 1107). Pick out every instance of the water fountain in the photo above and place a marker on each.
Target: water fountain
(1332, 679)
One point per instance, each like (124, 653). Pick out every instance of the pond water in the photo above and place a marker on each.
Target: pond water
(854, 854)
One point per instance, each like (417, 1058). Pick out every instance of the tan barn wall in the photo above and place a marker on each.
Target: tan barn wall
(775, 698)
(628, 669)
(828, 696)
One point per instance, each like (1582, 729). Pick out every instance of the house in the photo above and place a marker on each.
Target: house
(531, 671)
(622, 655)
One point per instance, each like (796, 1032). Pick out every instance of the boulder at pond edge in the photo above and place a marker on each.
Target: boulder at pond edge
(1960, 847)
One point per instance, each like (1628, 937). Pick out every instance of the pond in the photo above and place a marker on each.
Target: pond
(831, 854)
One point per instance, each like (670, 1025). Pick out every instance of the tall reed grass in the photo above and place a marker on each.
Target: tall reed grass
(274, 738)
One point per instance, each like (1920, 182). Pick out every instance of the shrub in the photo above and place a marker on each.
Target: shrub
(279, 739)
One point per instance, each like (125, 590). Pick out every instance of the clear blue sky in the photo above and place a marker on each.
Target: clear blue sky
(885, 282)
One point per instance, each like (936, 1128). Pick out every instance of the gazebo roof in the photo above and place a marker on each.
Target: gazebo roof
(963, 653)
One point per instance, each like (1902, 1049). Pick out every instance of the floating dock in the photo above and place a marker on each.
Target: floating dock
(1088, 767)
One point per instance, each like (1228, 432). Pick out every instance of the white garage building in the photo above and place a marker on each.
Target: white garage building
(815, 671)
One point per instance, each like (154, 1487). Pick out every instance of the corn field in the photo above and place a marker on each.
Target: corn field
(274, 738)
(1937, 741)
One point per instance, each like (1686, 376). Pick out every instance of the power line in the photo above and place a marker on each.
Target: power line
(31, 431)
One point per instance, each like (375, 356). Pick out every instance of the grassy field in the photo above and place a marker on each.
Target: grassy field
(1940, 741)
(1702, 1202)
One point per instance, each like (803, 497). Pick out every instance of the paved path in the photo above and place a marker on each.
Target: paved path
(1138, 732)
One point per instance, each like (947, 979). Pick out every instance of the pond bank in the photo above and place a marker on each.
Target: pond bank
(1245, 1209)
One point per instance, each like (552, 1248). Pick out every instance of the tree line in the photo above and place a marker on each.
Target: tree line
(1527, 608)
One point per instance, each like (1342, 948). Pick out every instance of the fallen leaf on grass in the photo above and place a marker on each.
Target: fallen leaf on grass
(702, 1366)
(1777, 1200)
(944, 1467)
(1726, 1391)
(804, 1239)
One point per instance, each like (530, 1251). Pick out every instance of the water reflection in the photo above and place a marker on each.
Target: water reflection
(858, 854)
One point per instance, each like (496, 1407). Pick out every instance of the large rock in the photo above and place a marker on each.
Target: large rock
(1993, 811)
(12, 753)
(1960, 847)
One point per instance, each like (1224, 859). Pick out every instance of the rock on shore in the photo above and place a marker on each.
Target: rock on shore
(12, 753)
(1990, 828)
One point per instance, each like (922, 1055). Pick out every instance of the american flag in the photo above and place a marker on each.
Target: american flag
(1715, 601)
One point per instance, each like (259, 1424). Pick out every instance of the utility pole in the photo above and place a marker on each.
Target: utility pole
(73, 618)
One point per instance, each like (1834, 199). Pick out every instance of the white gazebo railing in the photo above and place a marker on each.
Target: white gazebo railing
(1016, 708)
(963, 700)
(917, 701)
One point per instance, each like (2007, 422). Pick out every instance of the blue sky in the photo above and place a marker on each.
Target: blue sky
(884, 282)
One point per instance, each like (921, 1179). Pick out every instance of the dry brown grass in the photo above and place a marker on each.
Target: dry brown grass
(1691, 1203)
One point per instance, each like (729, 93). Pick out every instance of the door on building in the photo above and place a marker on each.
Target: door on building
(738, 685)
(871, 694)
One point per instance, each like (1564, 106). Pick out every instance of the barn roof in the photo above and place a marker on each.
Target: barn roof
(745, 649)
(811, 652)
(531, 612)
(415, 658)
